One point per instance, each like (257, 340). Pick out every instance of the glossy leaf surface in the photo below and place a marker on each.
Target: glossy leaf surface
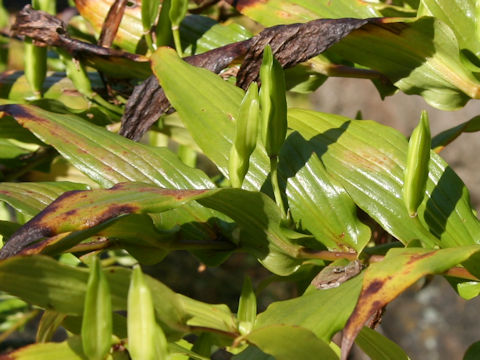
(208, 114)
(419, 56)
(103, 156)
(31, 198)
(324, 312)
(354, 154)
(286, 342)
(378, 347)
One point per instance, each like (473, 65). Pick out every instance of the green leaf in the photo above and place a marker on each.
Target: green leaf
(419, 57)
(459, 15)
(150, 9)
(109, 158)
(286, 342)
(252, 353)
(10, 129)
(207, 112)
(67, 350)
(274, 12)
(473, 352)
(324, 312)
(11, 151)
(446, 137)
(48, 325)
(378, 347)
(370, 168)
(468, 289)
(44, 282)
(318, 203)
(30, 198)
(385, 280)
(261, 231)
(202, 33)
(106, 157)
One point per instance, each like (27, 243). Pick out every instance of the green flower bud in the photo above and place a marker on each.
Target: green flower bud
(247, 307)
(273, 103)
(416, 172)
(97, 315)
(146, 339)
(245, 136)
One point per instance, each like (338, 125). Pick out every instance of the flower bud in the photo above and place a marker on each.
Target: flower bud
(245, 139)
(273, 103)
(146, 340)
(416, 172)
(97, 315)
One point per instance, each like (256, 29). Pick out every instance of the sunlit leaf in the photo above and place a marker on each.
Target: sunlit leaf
(370, 167)
(446, 137)
(385, 280)
(324, 312)
(103, 156)
(378, 347)
(31, 198)
(286, 342)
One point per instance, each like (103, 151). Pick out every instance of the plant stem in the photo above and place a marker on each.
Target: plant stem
(276, 188)
(176, 40)
(149, 41)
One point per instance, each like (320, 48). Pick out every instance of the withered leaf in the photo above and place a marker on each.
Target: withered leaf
(148, 101)
(112, 22)
(46, 29)
(78, 210)
(295, 43)
(291, 44)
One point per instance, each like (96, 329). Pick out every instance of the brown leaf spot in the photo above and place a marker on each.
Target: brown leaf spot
(370, 159)
(114, 211)
(416, 257)
(373, 288)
